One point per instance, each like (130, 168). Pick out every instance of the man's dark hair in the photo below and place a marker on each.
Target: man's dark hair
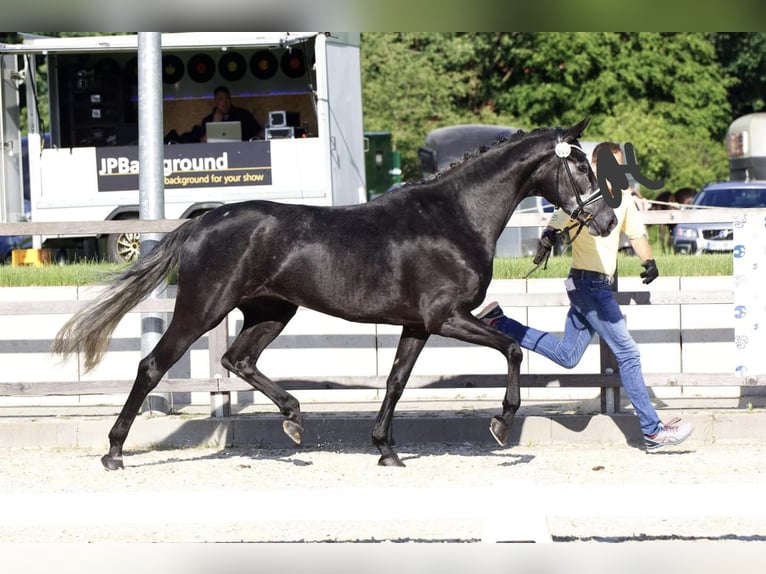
(611, 146)
(223, 89)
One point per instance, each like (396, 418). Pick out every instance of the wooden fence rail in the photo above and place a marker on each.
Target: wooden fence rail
(609, 384)
(219, 337)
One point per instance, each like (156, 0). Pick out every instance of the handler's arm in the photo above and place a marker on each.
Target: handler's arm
(642, 247)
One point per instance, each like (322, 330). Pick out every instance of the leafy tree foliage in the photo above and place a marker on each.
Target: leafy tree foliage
(415, 82)
(743, 58)
(667, 93)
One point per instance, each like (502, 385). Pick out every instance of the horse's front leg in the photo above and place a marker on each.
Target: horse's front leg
(500, 426)
(410, 344)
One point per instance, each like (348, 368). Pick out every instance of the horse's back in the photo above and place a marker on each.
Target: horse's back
(369, 262)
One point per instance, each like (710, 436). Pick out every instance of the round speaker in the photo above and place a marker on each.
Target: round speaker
(201, 68)
(263, 64)
(232, 66)
(106, 67)
(293, 63)
(172, 69)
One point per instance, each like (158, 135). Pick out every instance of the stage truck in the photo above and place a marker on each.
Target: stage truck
(303, 88)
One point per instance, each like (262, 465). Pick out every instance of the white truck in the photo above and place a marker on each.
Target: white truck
(303, 88)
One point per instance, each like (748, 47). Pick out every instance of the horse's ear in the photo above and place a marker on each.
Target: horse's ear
(576, 131)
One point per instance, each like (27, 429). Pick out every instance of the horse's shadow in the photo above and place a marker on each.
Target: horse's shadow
(260, 437)
(251, 455)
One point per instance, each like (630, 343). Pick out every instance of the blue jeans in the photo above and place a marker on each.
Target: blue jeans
(593, 309)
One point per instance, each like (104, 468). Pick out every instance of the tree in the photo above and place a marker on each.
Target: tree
(665, 151)
(743, 57)
(665, 92)
(415, 82)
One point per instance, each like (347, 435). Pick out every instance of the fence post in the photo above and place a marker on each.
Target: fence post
(610, 396)
(218, 342)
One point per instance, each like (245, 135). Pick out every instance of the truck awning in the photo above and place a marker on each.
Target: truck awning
(33, 44)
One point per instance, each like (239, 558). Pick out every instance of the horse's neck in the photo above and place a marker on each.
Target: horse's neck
(493, 199)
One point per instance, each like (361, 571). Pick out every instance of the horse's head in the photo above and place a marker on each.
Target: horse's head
(565, 179)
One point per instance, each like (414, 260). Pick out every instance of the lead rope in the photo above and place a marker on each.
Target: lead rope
(563, 149)
(559, 232)
(544, 262)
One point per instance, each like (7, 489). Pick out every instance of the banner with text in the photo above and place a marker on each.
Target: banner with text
(189, 165)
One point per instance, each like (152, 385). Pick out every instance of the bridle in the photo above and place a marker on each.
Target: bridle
(563, 150)
(581, 217)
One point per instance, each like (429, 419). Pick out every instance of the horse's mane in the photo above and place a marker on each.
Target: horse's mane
(501, 141)
(468, 156)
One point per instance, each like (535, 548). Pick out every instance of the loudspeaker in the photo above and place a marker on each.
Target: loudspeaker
(280, 133)
(283, 119)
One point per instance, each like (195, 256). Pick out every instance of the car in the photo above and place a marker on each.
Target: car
(10, 242)
(697, 238)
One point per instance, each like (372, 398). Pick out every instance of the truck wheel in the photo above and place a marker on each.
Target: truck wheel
(123, 247)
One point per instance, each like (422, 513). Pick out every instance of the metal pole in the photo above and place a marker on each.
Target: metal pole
(11, 192)
(151, 183)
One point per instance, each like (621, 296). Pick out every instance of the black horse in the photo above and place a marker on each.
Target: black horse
(420, 257)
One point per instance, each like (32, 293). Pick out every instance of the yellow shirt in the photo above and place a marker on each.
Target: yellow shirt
(600, 253)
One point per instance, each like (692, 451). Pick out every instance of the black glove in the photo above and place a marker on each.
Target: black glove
(651, 272)
(544, 245)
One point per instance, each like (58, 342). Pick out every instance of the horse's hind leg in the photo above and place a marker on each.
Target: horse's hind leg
(171, 346)
(410, 345)
(264, 320)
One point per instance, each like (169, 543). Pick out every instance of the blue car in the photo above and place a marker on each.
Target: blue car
(10, 242)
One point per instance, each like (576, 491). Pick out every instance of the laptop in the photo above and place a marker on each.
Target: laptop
(218, 132)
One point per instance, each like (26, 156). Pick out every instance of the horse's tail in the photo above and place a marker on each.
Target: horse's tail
(90, 328)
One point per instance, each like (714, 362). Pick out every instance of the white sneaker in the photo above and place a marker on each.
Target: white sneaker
(491, 313)
(670, 434)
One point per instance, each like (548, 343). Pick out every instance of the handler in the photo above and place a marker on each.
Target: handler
(593, 309)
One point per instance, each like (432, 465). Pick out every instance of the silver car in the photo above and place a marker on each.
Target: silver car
(696, 238)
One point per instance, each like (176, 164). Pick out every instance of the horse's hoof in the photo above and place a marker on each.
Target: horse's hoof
(111, 463)
(390, 460)
(293, 430)
(499, 430)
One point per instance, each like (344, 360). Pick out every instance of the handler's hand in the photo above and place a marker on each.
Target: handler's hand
(544, 245)
(651, 272)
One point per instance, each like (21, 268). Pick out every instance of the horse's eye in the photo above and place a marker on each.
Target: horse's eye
(582, 167)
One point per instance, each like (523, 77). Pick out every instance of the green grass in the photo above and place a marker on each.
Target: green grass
(627, 266)
(57, 275)
(516, 268)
